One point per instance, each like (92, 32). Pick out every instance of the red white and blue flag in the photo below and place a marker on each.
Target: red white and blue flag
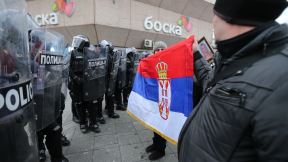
(161, 98)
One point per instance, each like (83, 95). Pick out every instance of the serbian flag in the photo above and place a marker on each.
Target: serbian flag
(161, 98)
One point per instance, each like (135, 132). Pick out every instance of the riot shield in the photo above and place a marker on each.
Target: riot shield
(137, 58)
(46, 50)
(122, 71)
(17, 118)
(65, 72)
(114, 60)
(95, 71)
(130, 67)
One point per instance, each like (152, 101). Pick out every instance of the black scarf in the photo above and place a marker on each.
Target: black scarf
(230, 46)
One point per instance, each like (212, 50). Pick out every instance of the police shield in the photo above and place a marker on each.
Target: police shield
(113, 66)
(130, 67)
(65, 72)
(136, 61)
(46, 50)
(121, 76)
(95, 71)
(17, 118)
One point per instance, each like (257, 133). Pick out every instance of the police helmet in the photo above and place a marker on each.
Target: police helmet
(80, 41)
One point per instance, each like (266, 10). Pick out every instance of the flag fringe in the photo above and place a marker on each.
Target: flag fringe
(151, 128)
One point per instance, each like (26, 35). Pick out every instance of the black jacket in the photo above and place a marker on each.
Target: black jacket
(243, 114)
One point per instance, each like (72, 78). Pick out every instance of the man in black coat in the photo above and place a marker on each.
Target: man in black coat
(243, 112)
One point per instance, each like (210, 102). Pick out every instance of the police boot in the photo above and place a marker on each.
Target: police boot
(94, 127)
(126, 104)
(64, 141)
(113, 115)
(83, 128)
(42, 156)
(101, 120)
(121, 108)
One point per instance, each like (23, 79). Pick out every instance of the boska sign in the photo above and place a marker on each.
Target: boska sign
(47, 19)
(149, 24)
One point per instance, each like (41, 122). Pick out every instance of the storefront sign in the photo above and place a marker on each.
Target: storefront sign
(47, 19)
(149, 24)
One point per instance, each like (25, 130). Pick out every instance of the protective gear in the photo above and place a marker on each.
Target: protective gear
(95, 72)
(121, 75)
(80, 41)
(64, 89)
(47, 60)
(130, 67)
(32, 24)
(88, 71)
(136, 60)
(17, 118)
(105, 43)
(53, 141)
(65, 73)
(113, 66)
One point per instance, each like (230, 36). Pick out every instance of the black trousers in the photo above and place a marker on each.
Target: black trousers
(118, 97)
(53, 140)
(98, 105)
(159, 142)
(62, 108)
(83, 108)
(73, 109)
(109, 99)
(126, 92)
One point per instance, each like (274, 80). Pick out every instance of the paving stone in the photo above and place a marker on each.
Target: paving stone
(145, 135)
(128, 139)
(79, 134)
(125, 128)
(172, 147)
(134, 152)
(124, 117)
(80, 157)
(139, 126)
(81, 145)
(69, 132)
(106, 129)
(120, 140)
(169, 158)
(110, 154)
(104, 141)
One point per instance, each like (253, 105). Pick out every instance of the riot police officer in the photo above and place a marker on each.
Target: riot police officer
(46, 50)
(85, 67)
(112, 70)
(121, 82)
(131, 52)
(17, 118)
(64, 88)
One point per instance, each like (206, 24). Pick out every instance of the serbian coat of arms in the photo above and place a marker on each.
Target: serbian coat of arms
(164, 90)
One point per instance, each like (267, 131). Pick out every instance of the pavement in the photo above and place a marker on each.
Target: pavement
(120, 140)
